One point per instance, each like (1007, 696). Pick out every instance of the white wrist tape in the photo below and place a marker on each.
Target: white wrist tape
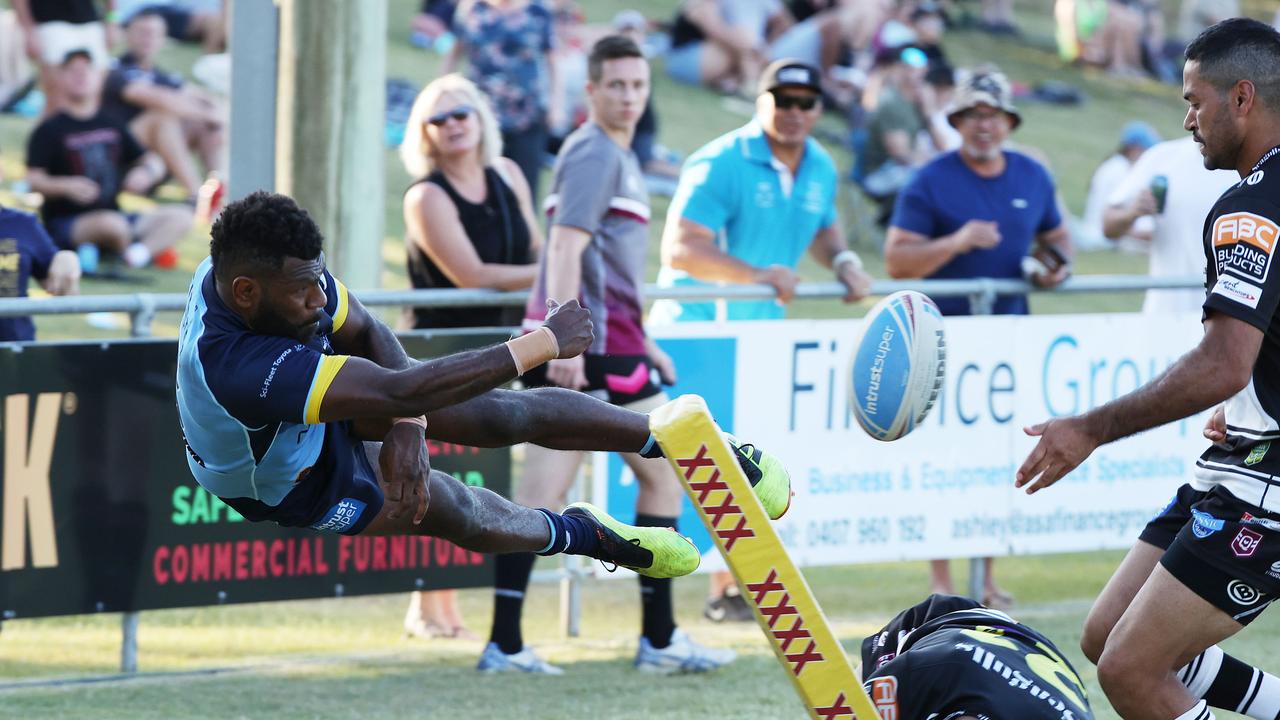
(846, 256)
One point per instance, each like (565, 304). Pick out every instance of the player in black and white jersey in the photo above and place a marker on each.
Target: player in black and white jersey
(950, 658)
(1209, 563)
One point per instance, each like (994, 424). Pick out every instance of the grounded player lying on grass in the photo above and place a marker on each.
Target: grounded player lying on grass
(949, 658)
(286, 384)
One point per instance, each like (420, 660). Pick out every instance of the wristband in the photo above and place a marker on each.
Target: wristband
(846, 256)
(530, 351)
(420, 421)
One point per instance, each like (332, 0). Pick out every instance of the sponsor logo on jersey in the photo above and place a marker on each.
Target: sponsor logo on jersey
(341, 516)
(884, 693)
(1275, 569)
(1020, 203)
(1243, 593)
(1255, 178)
(1257, 453)
(1272, 525)
(1246, 542)
(1243, 243)
(1232, 288)
(1203, 524)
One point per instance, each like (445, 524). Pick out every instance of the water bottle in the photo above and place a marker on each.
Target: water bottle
(1160, 190)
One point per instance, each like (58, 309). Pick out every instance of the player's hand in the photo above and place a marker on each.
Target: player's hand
(1064, 444)
(856, 281)
(568, 373)
(662, 362)
(80, 190)
(1215, 428)
(571, 324)
(783, 279)
(978, 235)
(405, 467)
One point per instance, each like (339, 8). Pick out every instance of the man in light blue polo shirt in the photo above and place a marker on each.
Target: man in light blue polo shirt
(748, 205)
(750, 202)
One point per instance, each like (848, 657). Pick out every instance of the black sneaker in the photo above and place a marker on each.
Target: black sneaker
(728, 608)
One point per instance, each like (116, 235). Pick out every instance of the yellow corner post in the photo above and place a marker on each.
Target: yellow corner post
(784, 606)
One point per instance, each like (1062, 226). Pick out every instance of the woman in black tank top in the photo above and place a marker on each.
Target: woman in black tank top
(469, 217)
(469, 223)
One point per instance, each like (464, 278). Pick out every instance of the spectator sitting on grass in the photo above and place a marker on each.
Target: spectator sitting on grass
(430, 28)
(81, 159)
(723, 44)
(164, 113)
(203, 22)
(53, 29)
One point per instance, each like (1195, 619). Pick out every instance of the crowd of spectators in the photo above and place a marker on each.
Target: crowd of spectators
(516, 88)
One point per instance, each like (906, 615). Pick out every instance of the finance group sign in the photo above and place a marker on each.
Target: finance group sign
(946, 490)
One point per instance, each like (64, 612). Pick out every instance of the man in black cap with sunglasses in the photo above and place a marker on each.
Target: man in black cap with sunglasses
(748, 205)
(769, 189)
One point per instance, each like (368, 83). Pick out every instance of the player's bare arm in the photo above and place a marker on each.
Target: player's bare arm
(1219, 367)
(364, 389)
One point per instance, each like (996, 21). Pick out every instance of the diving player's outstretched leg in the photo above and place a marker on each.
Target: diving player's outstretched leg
(483, 521)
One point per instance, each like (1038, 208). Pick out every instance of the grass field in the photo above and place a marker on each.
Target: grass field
(346, 658)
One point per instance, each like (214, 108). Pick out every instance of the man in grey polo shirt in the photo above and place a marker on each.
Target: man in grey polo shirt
(599, 214)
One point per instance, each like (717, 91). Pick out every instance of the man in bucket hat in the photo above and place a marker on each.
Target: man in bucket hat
(979, 211)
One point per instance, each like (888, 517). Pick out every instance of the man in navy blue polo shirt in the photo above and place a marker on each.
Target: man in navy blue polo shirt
(750, 202)
(980, 210)
(977, 212)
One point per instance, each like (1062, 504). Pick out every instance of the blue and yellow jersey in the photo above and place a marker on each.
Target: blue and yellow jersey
(250, 403)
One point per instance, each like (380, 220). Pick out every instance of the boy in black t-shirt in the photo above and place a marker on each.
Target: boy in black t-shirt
(80, 160)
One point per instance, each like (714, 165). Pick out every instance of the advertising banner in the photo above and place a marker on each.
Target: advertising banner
(98, 511)
(946, 490)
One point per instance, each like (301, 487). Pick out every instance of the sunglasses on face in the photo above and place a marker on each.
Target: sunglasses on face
(786, 102)
(459, 113)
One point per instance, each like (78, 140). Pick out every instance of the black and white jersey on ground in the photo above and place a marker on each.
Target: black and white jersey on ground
(1240, 236)
(949, 657)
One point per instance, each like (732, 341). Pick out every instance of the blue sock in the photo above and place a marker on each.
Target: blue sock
(651, 448)
(570, 534)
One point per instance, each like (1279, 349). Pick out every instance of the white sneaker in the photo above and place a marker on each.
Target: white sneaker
(493, 660)
(683, 655)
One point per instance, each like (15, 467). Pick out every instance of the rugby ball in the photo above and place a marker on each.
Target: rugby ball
(897, 366)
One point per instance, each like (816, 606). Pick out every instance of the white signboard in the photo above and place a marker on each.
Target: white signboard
(946, 490)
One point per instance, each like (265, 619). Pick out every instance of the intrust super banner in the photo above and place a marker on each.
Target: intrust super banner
(947, 489)
(98, 511)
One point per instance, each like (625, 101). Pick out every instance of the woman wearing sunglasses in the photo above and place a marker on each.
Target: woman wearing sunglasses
(469, 224)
